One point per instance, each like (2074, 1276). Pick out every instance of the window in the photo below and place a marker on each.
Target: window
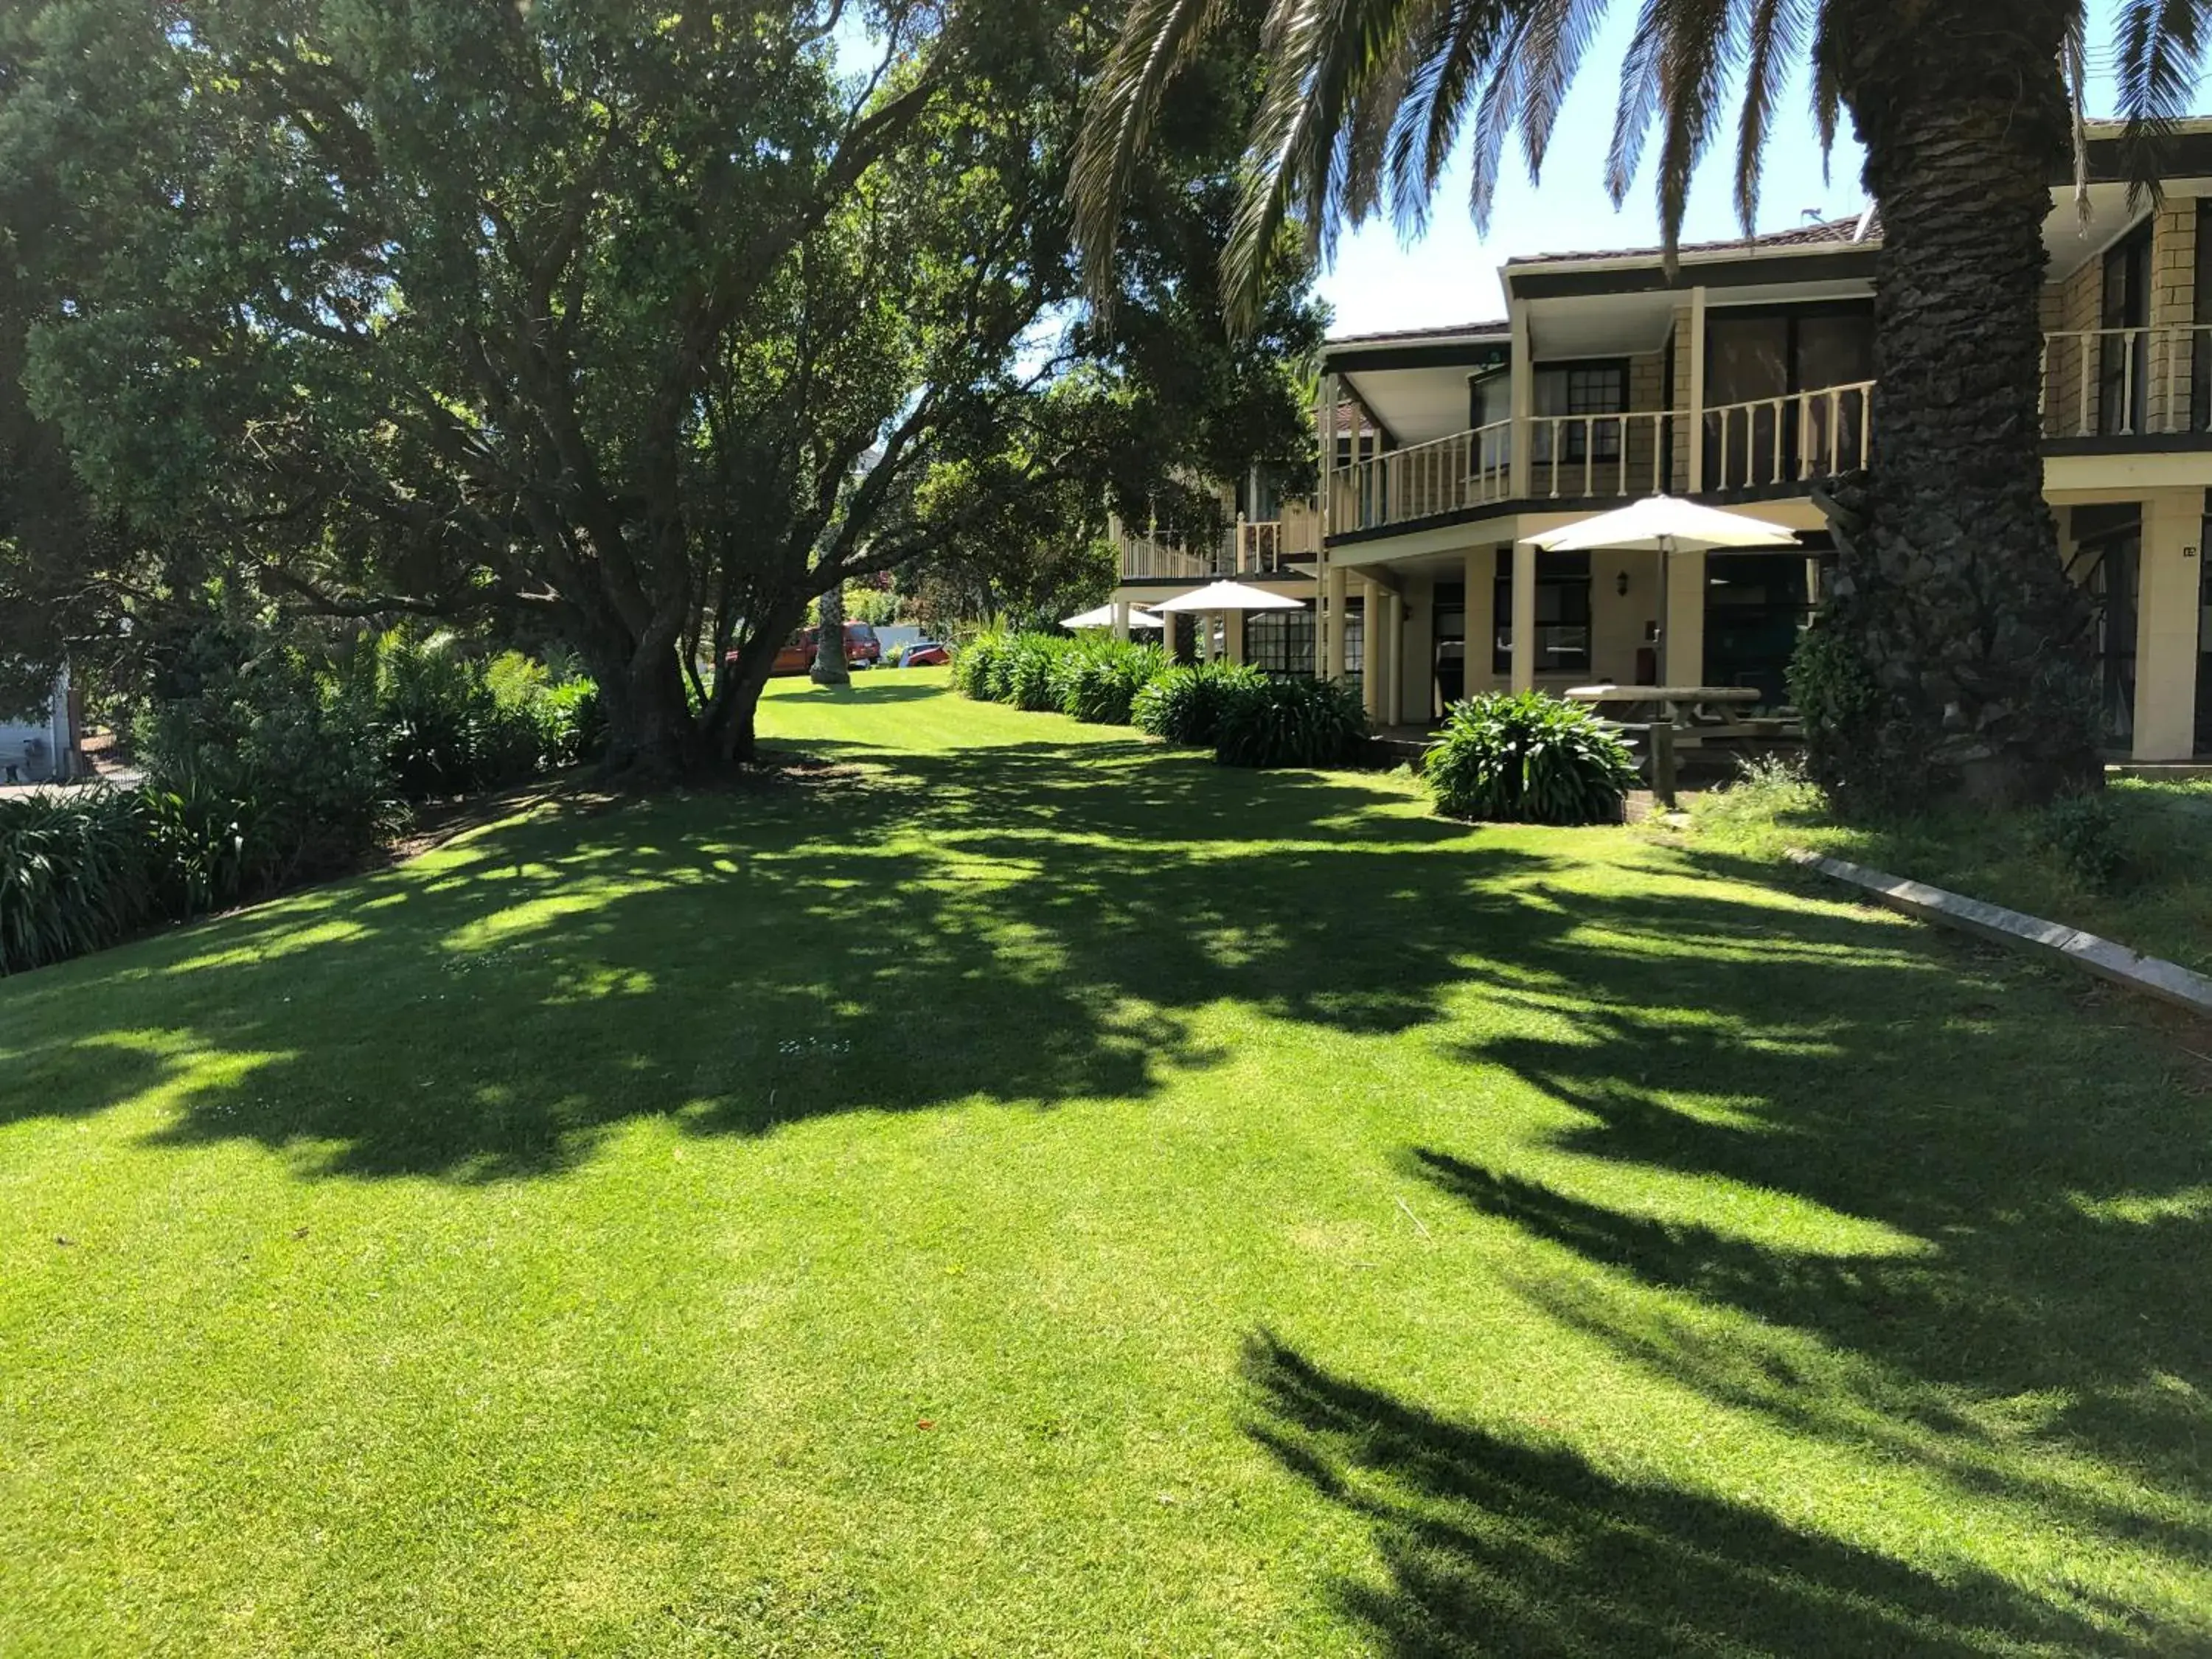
(1563, 614)
(1756, 359)
(2123, 357)
(1596, 388)
(1280, 642)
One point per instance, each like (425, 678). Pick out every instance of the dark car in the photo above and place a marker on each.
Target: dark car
(925, 653)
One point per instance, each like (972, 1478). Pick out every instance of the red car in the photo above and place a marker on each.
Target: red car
(796, 654)
(925, 653)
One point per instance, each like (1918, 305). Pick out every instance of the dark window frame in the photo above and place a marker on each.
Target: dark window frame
(1793, 381)
(2127, 368)
(1576, 440)
(1566, 577)
(1281, 643)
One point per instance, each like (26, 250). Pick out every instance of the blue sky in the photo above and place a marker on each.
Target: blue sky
(1451, 274)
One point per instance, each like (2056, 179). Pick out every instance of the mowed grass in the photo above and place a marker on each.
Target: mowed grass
(1021, 1191)
(2159, 900)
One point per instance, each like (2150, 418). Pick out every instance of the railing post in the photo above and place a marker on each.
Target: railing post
(1520, 393)
(1696, 481)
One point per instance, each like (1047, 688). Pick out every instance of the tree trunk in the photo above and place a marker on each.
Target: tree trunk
(829, 644)
(652, 738)
(738, 736)
(1968, 646)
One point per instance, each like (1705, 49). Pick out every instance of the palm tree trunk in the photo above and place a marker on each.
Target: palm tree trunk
(829, 644)
(1975, 645)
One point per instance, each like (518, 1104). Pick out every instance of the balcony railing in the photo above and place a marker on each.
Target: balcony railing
(1151, 558)
(1789, 440)
(1252, 547)
(1268, 547)
(2128, 382)
(1617, 457)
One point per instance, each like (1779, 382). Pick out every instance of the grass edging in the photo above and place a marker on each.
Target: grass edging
(2168, 980)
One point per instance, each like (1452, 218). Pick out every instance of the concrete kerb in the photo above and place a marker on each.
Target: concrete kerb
(2168, 982)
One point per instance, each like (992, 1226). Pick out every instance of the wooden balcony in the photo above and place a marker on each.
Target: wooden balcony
(1287, 546)
(2121, 385)
(1539, 458)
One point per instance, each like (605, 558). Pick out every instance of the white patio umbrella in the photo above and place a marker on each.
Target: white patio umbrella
(1103, 617)
(1227, 596)
(1665, 525)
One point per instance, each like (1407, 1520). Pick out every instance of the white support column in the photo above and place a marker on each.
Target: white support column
(1524, 616)
(1371, 650)
(1122, 621)
(1521, 392)
(1325, 407)
(1417, 667)
(2167, 621)
(1481, 616)
(1232, 628)
(1393, 683)
(1332, 662)
(1205, 621)
(1696, 481)
(1682, 640)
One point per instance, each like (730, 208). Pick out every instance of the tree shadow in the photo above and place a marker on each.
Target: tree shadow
(1032, 925)
(1491, 1545)
(2017, 1179)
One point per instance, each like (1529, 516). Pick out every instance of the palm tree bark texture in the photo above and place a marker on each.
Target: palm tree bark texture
(1950, 595)
(829, 667)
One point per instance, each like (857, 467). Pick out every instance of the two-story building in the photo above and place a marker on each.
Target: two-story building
(1739, 378)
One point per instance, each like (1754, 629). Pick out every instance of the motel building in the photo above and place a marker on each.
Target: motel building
(1740, 380)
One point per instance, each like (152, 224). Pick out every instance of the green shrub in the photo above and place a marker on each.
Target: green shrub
(451, 725)
(78, 872)
(299, 753)
(1290, 723)
(1103, 680)
(975, 665)
(2083, 833)
(1527, 758)
(1032, 676)
(1185, 705)
(572, 724)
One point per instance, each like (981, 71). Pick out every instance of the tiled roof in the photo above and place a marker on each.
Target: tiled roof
(1829, 232)
(1490, 325)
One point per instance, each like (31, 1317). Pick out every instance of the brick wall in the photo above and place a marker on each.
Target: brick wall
(2070, 305)
(1681, 401)
(1647, 391)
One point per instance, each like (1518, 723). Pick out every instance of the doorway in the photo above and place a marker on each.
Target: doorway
(1756, 605)
(2108, 563)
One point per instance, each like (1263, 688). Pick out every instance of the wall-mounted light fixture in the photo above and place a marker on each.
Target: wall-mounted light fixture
(1620, 584)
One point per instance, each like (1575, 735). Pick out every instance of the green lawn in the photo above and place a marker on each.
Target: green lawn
(1022, 1191)
(2160, 902)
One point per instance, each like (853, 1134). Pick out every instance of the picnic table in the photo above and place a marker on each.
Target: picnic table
(1662, 712)
(1683, 705)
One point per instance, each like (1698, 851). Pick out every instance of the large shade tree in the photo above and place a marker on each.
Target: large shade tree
(637, 325)
(1958, 652)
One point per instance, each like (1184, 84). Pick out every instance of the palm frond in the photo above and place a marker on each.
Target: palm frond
(1322, 56)
(1557, 34)
(1639, 101)
(1462, 41)
(1698, 54)
(2074, 57)
(1157, 39)
(1775, 34)
(1493, 124)
(2161, 52)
